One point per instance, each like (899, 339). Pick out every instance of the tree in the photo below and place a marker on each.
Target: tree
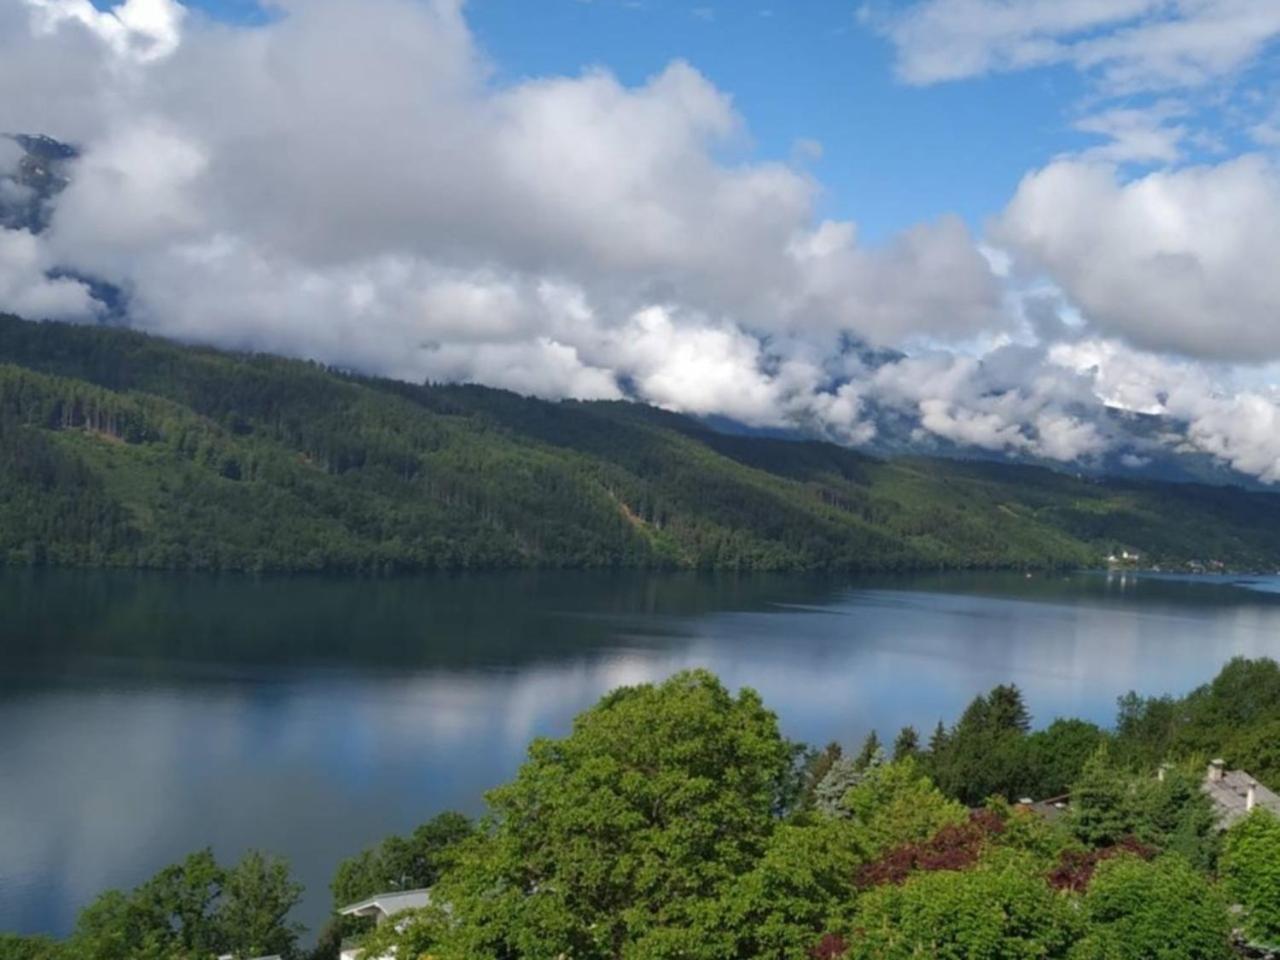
(818, 766)
(181, 899)
(1257, 749)
(907, 743)
(258, 896)
(829, 794)
(938, 741)
(896, 803)
(1175, 814)
(1159, 910)
(617, 840)
(1101, 804)
(1002, 908)
(14, 947)
(1251, 866)
(800, 889)
(871, 752)
(1007, 711)
(1055, 756)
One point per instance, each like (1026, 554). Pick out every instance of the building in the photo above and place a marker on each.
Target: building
(1235, 794)
(383, 908)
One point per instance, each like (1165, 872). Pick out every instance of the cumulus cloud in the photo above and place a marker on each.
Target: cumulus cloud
(27, 288)
(1177, 260)
(345, 183)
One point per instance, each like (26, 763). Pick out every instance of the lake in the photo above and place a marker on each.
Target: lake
(146, 715)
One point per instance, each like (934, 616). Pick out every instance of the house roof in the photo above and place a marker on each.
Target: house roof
(1229, 794)
(389, 904)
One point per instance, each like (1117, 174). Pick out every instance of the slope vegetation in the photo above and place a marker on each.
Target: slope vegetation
(121, 449)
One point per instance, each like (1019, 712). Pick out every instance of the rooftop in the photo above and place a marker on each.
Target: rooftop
(1229, 790)
(389, 904)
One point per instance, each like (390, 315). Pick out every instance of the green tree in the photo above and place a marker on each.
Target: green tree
(1102, 808)
(257, 897)
(801, 888)
(907, 743)
(829, 794)
(870, 754)
(617, 841)
(1162, 910)
(1175, 814)
(897, 803)
(1055, 756)
(1007, 710)
(14, 947)
(1257, 749)
(1251, 865)
(816, 770)
(1001, 909)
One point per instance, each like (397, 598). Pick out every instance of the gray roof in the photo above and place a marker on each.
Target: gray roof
(1229, 796)
(389, 904)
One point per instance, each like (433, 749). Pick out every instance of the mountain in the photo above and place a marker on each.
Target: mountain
(122, 449)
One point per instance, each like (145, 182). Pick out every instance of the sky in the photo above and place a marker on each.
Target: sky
(1050, 210)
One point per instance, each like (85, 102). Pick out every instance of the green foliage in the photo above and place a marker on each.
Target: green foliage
(414, 934)
(800, 888)
(1054, 757)
(871, 754)
(1102, 805)
(618, 840)
(1251, 866)
(121, 449)
(1160, 910)
(896, 803)
(402, 863)
(194, 910)
(14, 947)
(906, 744)
(1003, 908)
(257, 896)
(983, 753)
(1236, 716)
(829, 793)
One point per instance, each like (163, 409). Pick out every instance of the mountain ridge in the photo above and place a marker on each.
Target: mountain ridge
(124, 449)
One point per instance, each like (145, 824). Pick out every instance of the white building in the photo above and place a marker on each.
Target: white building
(383, 907)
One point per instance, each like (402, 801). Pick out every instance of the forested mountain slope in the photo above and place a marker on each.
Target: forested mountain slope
(123, 449)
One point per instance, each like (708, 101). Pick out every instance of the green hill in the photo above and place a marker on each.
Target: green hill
(122, 449)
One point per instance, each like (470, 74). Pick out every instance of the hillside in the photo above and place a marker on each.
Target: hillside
(122, 449)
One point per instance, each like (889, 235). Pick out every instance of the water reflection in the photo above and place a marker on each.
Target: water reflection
(145, 716)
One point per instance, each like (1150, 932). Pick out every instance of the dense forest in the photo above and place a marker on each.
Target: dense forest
(122, 449)
(675, 821)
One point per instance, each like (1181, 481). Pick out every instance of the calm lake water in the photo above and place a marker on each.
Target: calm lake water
(143, 716)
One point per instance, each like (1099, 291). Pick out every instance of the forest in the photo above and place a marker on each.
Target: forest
(676, 821)
(121, 449)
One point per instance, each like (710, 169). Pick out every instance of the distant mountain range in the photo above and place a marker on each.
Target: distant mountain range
(127, 450)
(44, 170)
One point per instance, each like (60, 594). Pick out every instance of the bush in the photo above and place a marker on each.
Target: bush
(1160, 910)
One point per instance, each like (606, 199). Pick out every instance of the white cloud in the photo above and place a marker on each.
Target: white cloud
(139, 30)
(1130, 45)
(27, 290)
(1178, 260)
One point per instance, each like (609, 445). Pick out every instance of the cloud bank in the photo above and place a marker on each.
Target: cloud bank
(348, 183)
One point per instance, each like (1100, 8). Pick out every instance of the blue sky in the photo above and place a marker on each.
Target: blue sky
(892, 155)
